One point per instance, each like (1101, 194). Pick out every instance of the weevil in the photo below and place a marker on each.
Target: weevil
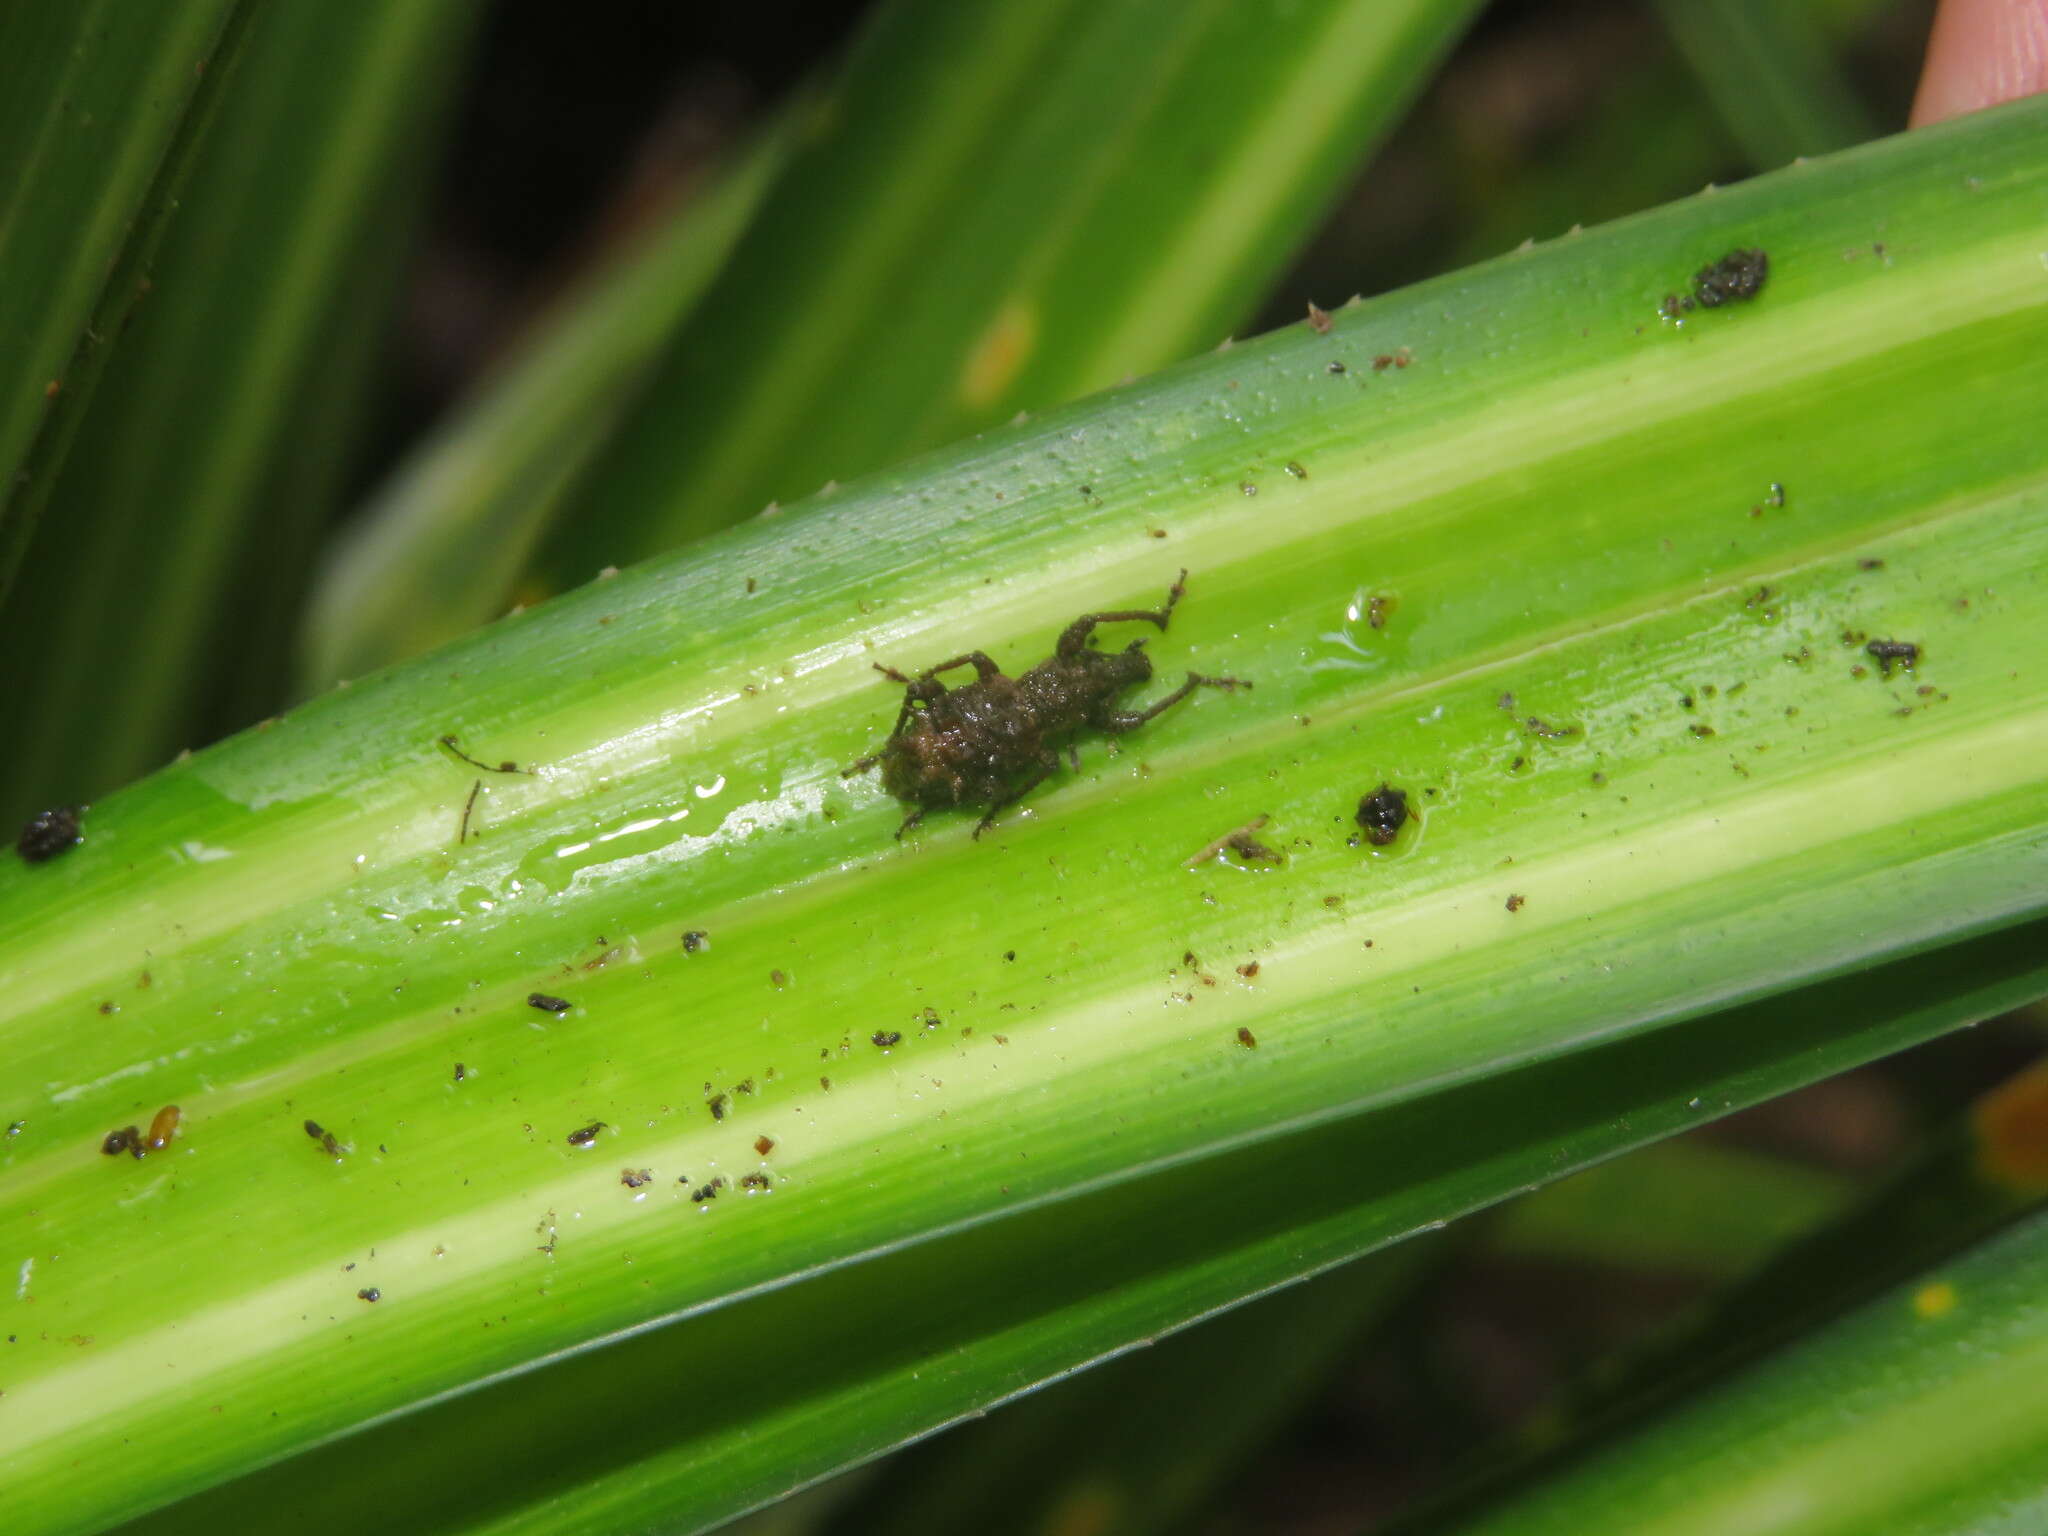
(990, 742)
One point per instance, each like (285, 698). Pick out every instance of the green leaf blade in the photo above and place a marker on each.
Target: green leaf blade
(323, 941)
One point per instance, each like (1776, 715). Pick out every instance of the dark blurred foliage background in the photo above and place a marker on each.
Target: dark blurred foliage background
(578, 123)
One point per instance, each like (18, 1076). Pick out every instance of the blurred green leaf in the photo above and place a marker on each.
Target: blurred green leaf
(1983, 1170)
(1770, 69)
(174, 547)
(93, 98)
(1921, 1414)
(435, 551)
(1686, 1205)
(1002, 208)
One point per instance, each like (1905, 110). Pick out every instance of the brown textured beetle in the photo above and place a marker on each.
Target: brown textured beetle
(994, 740)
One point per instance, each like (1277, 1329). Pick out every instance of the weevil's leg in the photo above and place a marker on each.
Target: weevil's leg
(468, 806)
(984, 669)
(910, 821)
(862, 766)
(1116, 721)
(1046, 766)
(914, 689)
(1074, 638)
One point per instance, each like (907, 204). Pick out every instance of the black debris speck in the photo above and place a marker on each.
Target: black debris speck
(49, 833)
(1890, 653)
(1382, 814)
(585, 1136)
(1734, 279)
(887, 1037)
(127, 1139)
(547, 1004)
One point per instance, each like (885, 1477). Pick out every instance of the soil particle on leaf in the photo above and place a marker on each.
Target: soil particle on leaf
(1515, 903)
(128, 1139)
(708, 1191)
(1382, 814)
(1240, 842)
(1318, 318)
(695, 941)
(163, 1128)
(585, 1135)
(718, 1104)
(547, 1004)
(329, 1143)
(1734, 279)
(1246, 1038)
(1249, 969)
(633, 1178)
(1890, 653)
(887, 1037)
(756, 1182)
(49, 833)
(764, 1144)
(369, 1293)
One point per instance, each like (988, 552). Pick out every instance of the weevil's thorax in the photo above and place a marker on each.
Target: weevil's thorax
(1069, 692)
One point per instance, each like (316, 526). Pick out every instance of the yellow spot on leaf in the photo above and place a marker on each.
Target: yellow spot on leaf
(2011, 1126)
(1004, 348)
(1091, 1509)
(1936, 1300)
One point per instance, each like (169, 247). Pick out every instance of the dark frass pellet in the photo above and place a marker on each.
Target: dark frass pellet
(1734, 279)
(49, 833)
(586, 1135)
(1382, 814)
(547, 1004)
(1893, 653)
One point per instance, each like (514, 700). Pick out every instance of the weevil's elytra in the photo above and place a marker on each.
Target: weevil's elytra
(991, 742)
